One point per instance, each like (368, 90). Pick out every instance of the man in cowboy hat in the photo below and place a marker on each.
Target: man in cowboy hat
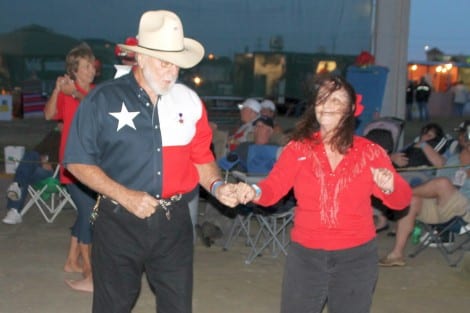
(142, 141)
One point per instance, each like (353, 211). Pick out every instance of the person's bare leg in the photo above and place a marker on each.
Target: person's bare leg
(72, 263)
(405, 226)
(85, 284)
(440, 188)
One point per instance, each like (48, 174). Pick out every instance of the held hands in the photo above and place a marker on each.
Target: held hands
(143, 205)
(227, 195)
(245, 193)
(233, 194)
(384, 179)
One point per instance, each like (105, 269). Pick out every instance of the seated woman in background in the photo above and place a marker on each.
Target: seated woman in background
(429, 149)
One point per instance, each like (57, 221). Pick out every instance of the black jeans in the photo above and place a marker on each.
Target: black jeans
(125, 246)
(344, 278)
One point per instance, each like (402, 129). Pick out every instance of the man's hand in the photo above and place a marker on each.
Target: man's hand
(139, 203)
(227, 195)
(245, 193)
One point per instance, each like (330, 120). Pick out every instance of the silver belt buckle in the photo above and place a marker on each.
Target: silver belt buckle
(166, 203)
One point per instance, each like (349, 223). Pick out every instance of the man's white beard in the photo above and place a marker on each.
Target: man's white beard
(154, 86)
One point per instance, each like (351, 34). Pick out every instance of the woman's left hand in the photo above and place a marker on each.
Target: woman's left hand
(384, 179)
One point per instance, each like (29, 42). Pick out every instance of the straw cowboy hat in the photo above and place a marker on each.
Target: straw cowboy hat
(161, 36)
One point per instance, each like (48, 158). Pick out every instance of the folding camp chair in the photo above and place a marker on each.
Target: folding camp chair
(49, 196)
(272, 232)
(433, 234)
(260, 160)
(241, 226)
(272, 226)
(242, 222)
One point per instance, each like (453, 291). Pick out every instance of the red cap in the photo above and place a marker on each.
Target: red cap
(130, 41)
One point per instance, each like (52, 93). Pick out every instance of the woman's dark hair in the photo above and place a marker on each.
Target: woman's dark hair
(433, 126)
(320, 89)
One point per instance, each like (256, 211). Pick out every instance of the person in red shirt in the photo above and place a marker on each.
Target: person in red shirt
(62, 105)
(333, 254)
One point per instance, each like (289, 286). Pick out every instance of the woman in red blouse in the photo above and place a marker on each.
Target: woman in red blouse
(333, 255)
(61, 106)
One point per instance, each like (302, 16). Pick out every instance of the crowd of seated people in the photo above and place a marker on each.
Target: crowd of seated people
(439, 199)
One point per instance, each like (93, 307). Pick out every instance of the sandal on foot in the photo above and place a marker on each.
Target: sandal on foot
(391, 261)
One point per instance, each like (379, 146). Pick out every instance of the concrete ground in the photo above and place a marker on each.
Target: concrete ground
(32, 255)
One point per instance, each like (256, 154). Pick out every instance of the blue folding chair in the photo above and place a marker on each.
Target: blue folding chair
(261, 159)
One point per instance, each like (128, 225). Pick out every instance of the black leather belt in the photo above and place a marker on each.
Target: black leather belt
(165, 204)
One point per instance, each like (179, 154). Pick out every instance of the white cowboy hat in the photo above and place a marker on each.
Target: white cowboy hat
(161, 36)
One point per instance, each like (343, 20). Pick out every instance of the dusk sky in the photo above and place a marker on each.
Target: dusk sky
(443, 24)
(437, 23)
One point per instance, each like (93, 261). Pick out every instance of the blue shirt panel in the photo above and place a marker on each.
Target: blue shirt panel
(132, 157)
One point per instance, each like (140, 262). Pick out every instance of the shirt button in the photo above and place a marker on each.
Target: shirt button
(159, 173)
(156, 126)
(157, 196)
(158, 149)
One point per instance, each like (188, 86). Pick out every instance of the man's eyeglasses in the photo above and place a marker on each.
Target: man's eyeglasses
(165, 64)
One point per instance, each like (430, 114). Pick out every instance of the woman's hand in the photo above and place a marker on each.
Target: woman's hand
(384, 179)
(66, 84)
(245, 193)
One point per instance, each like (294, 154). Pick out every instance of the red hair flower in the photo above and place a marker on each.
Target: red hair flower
(359, 105)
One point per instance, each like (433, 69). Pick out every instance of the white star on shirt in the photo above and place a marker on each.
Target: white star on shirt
(125, 117)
